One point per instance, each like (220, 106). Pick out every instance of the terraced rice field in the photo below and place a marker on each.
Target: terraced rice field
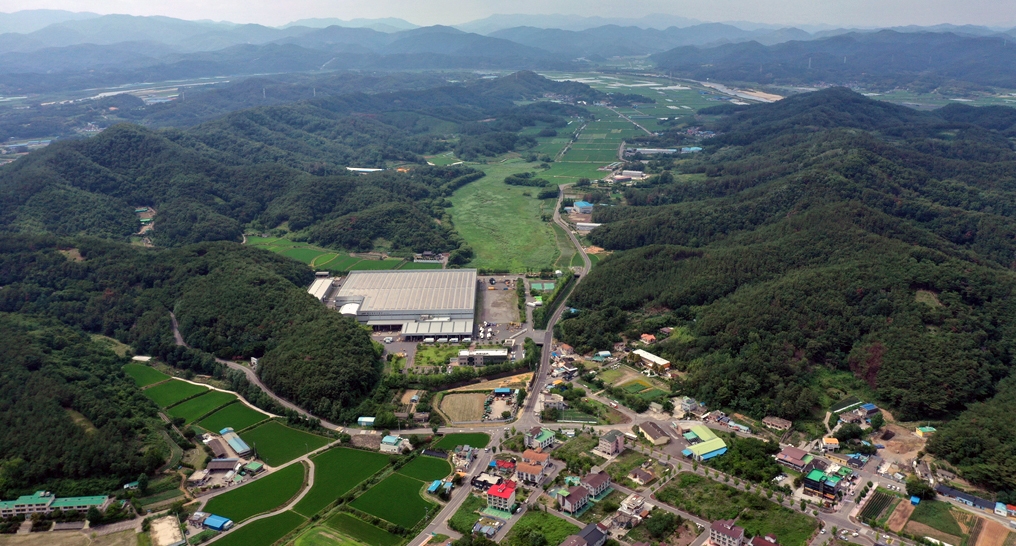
(336, 471)
(261, 495)
(144, 375)
(200, 406)
(236, 416)
(277, 444)
(407, 512)
(174, 391)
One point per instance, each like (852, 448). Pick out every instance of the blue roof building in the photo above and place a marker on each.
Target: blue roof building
(365, 421)
(217, 523)
(434, 486)
(869, 408)
(584, 207)
(239, 446)
(502, 391)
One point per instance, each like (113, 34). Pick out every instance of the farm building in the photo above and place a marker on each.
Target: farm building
(217, 523)
(584, 227)
(924, 432)
(501, 496)
(222, 465)
(651, 361)
(422, 303)
(611, 443)
(483, 357)
(654, 433)
(44, 502)
(365, 421)
(867, 409)
(705, 444)
(393, 444)
(965, 498)
(583, 207)
(239, 446)
(218, 448)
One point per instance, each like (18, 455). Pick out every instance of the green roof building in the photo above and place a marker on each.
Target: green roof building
(44, 502)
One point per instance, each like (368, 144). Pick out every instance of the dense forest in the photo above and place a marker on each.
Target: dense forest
(283, 165)
(127, 292)
(823, 233)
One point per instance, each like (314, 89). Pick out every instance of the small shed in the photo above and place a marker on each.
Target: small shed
(217, 523)
(365, 421)
(502, 391)
(915, 500)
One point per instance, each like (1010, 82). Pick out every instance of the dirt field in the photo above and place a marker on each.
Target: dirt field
(900, 516)
(904, 446)
(463, 407)
(511, 382)
(408, 397)
(992, 534)
(500, 306)
(921, 529)
(369, 441)
(69, 538)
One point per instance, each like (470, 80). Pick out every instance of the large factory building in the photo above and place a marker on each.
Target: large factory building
(430, 303)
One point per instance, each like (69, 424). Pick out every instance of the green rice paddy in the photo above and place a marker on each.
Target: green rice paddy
(371, 265)
(427, 468)
(261, 495)
(277, 444)
(236, 416)
(475, 439)
(364, 532)
(336, 471)
(144, 375)
(169, 393)
(263, 532)
(320, 258)
(407, 512)
(198, 407)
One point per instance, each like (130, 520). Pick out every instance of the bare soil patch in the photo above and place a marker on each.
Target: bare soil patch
(921, 529)
(367, 441)
(594, 250)
(511, 382)
(992, 534)
(407, 398)
(899, 517)
(464, 406)
(903, 446)
(73, 255)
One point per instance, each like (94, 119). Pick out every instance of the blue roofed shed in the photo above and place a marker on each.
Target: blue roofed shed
(869, 408)
(217, 523)
(433, 486)
(915, 500)
(365, 421)
(502, 391)
(584, 207)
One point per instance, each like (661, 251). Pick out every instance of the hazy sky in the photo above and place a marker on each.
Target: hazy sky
(428, 12)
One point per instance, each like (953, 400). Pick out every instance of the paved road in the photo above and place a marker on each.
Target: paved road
(629, 120)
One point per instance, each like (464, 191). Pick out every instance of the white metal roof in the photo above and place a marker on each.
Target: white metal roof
(651, 357)
(445, 327)
(423, 291)
(320, 287)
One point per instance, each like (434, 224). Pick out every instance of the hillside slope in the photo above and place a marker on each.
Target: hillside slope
(824, 234)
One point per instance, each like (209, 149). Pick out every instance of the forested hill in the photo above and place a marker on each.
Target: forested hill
(272, 165)
(886, 60)
(56, 291)
(827, 233)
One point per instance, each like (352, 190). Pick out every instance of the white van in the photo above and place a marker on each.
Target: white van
(442, 340)
(428, 340)
(453, 340)
(467, 340)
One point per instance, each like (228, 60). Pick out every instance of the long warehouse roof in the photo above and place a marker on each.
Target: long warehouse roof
(413, 290)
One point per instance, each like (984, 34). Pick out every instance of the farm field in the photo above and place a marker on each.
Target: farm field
(464, 406)
(426, 468)
(937, 515)
(566, 250)
(897, 520)
(144, 375)
(263, 532)
(321, 536)
(712, 500)
(198, 407)
(362, 531)
(435, 355)
(474, 439)
(277, 444)
(878, 502)
(169, 393)
(336, 471)
(237, 416)
(319, 258)
(415, 265)
(374, 265)
(409, 510)
(261, 495)
(504, 227)
(553, 528)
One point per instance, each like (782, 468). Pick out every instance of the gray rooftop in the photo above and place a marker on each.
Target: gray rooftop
(412, 290)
